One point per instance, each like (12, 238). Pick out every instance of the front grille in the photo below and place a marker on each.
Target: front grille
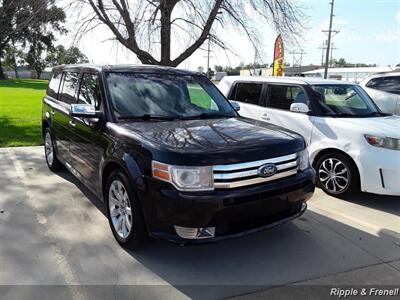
(244, 174)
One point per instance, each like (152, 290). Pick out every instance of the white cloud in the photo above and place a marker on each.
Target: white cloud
(398, 16)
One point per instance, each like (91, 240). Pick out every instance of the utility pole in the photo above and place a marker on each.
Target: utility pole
(297, 60)
(323, 47)
(208, 58)
(329, 41)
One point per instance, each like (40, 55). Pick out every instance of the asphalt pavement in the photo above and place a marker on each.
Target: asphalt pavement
(55, 240)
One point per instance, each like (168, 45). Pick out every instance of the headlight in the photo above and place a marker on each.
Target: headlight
(303, 160)
(185, 178)
(383, 142)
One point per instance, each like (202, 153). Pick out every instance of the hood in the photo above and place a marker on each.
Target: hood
(214, 141)
(383, 126)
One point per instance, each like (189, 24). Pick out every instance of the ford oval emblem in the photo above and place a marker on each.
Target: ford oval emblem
(267, 170)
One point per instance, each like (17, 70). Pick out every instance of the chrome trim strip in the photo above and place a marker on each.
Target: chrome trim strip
(235, 184)
(249, 173)
(254, 164)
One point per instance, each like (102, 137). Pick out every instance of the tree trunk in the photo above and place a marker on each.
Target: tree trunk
(2, 76)
(15, 66)
(165, 34)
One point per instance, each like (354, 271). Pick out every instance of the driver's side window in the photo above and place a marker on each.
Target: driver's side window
(89, 91)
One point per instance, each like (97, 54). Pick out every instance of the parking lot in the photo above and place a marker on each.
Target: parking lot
(54, 232)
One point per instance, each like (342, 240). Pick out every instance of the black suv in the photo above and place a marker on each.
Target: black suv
(170, 156)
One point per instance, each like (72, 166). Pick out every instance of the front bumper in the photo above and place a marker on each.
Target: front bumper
(233, 213)
(379, 171)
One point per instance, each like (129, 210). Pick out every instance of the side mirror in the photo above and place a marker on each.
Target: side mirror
(299, 108)
(84, 111)
(236, 105)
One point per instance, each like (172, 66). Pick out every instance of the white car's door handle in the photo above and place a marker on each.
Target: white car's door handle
(265, 117)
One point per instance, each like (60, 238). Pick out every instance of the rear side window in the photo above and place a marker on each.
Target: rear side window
(89, 92)
(69, 85)
(387, 84)
(282, 96)
(247, 92)
(54, 85)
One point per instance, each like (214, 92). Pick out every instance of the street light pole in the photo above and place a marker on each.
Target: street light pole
(328, 42)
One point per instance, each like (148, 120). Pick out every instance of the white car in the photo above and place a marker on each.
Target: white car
(352, 144)
(384, 89)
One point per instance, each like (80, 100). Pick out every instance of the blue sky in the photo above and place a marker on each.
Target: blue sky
(369, 30)
(369, 33)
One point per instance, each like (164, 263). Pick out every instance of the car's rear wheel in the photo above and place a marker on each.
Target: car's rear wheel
(337, 175)
(124, 211)
(51, 158)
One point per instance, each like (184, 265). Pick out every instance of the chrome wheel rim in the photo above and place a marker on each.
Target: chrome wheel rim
(334, 175)
(48, 147)
(120, 209)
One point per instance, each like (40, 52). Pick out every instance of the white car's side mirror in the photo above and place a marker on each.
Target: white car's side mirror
(299, 108)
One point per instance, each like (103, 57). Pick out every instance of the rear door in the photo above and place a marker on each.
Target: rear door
(86, 140)
(249, 96)
(279, 97)
(62, 129)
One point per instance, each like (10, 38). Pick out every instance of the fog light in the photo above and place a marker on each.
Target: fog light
(195, 233)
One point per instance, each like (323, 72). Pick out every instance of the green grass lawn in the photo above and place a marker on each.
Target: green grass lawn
(20, 112)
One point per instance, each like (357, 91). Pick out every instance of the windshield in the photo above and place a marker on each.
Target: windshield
(344, 100)
(158, 96)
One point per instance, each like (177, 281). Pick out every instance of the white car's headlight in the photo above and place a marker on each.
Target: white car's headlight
(185, 178)
(303, 160)
(383, 142)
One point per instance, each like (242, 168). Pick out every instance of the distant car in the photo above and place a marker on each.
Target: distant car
(352, 144)
(170, 156)
(384, 89)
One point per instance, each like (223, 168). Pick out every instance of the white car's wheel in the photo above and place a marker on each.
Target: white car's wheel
(337, 175)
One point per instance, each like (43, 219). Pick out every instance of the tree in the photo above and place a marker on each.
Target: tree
(59, 56)
(147, 27)
(35, 59)
(10, 58)
(28, 22)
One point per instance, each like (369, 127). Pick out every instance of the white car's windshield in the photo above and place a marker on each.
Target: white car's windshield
(165, 96)
(344, 100)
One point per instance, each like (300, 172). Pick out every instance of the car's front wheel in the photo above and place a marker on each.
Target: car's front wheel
(51, 158)
(124, 211)
(337, 174)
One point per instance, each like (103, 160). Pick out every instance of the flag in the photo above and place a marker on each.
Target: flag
(278, 57)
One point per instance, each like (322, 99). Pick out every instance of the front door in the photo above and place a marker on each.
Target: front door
(87, 142)
(277, 110)
(61, 117)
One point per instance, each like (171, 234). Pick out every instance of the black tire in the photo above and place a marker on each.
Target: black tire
(52, 162)
(138, 234)
(343, 167)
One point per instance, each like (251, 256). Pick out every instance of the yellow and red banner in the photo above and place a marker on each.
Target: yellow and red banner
(278, 57)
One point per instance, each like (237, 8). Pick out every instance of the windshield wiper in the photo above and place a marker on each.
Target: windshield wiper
(207, 115)
(146, 117)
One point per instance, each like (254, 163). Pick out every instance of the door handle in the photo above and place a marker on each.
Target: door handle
(72, 123)
(265, 117)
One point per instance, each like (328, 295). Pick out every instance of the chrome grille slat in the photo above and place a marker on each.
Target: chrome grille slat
(235, 184)
(243, 174)
(254, 164)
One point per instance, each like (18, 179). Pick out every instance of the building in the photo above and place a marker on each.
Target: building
(348, 74)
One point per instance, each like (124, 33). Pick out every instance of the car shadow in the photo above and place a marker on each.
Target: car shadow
(313, 246)
(389, 204)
